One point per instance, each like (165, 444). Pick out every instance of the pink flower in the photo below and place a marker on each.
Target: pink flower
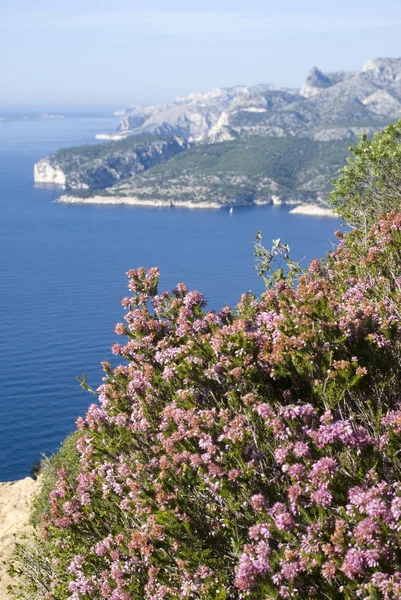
(258, 502)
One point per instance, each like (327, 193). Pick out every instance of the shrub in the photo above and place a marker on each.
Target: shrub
(31, 568)
(371, 182)
(66, 458)
(31, 564)
(247, 453)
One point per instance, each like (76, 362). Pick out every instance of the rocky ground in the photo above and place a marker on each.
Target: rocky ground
(15, 498)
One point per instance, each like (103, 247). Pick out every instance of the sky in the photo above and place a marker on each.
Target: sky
(70, 54)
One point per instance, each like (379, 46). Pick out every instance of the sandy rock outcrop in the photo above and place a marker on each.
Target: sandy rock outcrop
(15, 500)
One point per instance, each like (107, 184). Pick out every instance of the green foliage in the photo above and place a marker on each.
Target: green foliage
(279, 254)
(371, 182)
(66, 458)
(31, 569)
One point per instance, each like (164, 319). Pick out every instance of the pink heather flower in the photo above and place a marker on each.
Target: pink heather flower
(168, 373)
(329, 570)
(353, 564)
(301, 449)
(76, 564)
(294, 492)
(396, 508)
(376, 508)
(280, 454)
(282, 519)
(327, 417)
(393, 420)
(120, 329)
(181, 288)
(324, 468)
(103, 547)
(138, 382)
(234, 474)
(367, 530)
(247, 571)
(259, 531)
(264, 411)
(322, 496)
(362, 370)
(95, 415)
(297, 471)
(314, 266)
(290, 570)
(194, 299)
(85, 499)
(269, 319)
(80, 423)
(258, 502)
(302, 411)
(284, 592)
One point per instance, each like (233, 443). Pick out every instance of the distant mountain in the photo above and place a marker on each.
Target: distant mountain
(238, 146)
(328, 106)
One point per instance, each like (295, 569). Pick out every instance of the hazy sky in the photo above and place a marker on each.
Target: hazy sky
(60, 53)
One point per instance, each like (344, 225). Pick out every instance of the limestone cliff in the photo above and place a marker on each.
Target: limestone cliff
(46, 172)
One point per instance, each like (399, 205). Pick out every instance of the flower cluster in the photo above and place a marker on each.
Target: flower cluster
(247, 453)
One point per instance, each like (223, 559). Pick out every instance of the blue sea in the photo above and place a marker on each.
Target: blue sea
(63, 273)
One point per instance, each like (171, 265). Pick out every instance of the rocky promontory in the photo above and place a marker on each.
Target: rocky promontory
(237, 146)
(99, 166)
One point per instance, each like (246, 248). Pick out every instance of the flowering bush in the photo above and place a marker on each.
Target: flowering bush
(251, 453)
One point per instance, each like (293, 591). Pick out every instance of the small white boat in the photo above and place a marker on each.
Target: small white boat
(231, 210)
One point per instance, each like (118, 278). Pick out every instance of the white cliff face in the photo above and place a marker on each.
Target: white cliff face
(221, 131)
(45, 172)
(382, 103)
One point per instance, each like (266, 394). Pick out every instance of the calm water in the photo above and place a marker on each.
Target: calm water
(62, 275)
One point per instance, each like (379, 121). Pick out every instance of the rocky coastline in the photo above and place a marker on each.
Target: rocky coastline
(202, 204)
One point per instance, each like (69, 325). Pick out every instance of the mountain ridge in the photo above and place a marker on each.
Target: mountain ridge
(339, 98)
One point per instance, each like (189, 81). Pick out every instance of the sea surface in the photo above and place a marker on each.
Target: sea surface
(63, 273)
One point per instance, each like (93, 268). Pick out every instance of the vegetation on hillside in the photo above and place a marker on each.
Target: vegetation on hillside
(251, 453)
(67, 157)
(284, 160)
(240, 171)
(67, 457)
(371, 182)
(247, 167)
